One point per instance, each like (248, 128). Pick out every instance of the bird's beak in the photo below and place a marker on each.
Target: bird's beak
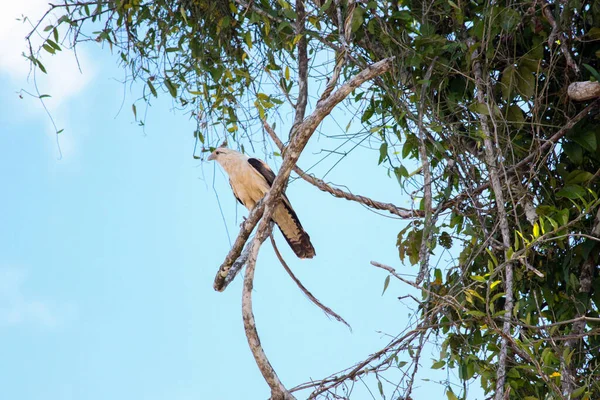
(211, 157)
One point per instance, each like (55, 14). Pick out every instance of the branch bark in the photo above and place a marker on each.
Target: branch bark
(585, 286)
(299, 138)
(278, 391)
(492, 163)
(336, 192)
(427, 197)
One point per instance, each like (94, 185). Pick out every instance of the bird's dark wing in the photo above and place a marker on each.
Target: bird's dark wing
(285, 216)
(263, 169)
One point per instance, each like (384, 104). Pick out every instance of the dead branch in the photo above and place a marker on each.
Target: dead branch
(234, 254)
(304, 290)
(302, 64)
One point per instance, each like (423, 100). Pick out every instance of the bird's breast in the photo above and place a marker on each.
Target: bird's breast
(248, 186)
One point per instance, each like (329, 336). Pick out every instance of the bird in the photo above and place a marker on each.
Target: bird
(251, 179)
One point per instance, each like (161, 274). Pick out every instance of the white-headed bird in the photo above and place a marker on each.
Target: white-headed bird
(251, 179)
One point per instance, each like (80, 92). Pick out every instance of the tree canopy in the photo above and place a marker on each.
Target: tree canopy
(470, 107)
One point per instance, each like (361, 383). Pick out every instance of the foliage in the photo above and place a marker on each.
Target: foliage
(214, 57)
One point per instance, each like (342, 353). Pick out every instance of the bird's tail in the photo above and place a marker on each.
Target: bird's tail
(291, 228)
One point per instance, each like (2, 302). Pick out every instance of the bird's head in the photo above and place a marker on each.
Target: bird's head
(221, 153)
(226, 157)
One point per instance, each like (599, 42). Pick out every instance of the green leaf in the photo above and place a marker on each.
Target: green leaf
(438, 364)
(587, 140)
(383, 152)
(526, 81)
(134, 109)
(574, 152)
(386, 283)
(507, 81)
(450, 395)
(578, 176)
(325, 6)
(479, 108)
(536, 231)
(514, 115)
(152, 88)
(171, 87)
(572, 192)
(49, 49)
(593, 71)
(578, 392)
(509, 19)
(54, 45)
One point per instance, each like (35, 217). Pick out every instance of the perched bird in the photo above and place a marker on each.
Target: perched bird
(251, 179)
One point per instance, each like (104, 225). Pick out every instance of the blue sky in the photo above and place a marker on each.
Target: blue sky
(108, 254)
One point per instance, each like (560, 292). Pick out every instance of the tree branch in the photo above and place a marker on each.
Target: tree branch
(302, 64)
(336, 192)
(491, 159)
(299, 138)
(563, 38)
(586, 277)
(278, 391)
(304, 290)
(427, 197)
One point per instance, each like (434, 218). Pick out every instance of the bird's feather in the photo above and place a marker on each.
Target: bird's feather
(285, 217)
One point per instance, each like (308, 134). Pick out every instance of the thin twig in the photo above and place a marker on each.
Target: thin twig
(304, 290)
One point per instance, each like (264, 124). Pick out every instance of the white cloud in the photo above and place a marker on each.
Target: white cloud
(64, 80)
(16, 308)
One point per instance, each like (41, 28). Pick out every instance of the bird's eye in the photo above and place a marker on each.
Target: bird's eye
(217, 152)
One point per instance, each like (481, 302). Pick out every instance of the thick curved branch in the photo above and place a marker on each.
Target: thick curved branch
(278, 391)
(234, 254)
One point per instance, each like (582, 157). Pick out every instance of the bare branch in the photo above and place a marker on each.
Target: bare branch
(233, 255)
(336, 192)
(304, 290)
(278, 391)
